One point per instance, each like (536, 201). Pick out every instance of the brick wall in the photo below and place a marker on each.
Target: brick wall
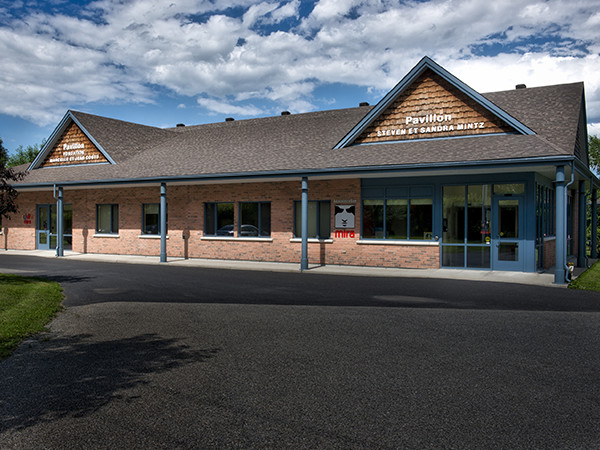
(186, 220)
(549, 253)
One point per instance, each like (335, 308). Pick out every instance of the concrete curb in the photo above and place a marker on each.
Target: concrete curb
(538, 279)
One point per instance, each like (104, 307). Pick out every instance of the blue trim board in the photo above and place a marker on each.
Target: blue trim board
(342, 171)
(428, 63)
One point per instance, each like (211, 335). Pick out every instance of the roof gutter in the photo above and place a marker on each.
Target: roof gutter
(357, 170)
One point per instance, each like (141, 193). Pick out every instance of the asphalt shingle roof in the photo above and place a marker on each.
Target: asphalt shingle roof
(304, 142)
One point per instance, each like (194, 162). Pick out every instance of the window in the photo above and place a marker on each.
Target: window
(398, 218)
(319, 219)
(255, 219)
(218, 219)
(466, 226)
(151, 218)
(107, 219)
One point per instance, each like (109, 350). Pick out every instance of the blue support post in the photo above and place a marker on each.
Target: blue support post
(59, 223)
(594, 224)
(561, 227)
(304, 226)
(163, 222)
(581, 232)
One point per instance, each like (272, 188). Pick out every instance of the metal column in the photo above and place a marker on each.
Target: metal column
(594, 224)
(304, 226)
(581, 232)
(59, 223)
(561, 227)
(163, 222)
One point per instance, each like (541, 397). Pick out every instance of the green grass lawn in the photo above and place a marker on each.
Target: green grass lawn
(26, 306)
(590, 279)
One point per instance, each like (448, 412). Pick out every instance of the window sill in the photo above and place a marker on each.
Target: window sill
(313, 241)
(105, 235)
(150, 236)
(393, 242)
(236, 239)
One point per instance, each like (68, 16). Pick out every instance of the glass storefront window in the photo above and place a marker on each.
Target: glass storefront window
(467, 213)
(372, 219)
(453, 256)
(479, 213)
(478, 257)
(319, 219)
(396, 219)
(514, 189)
(421, 218)
(453, 231)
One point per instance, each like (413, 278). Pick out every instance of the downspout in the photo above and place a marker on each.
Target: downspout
(59, 221)
(568, 270)
(594, 221)
(304, 225)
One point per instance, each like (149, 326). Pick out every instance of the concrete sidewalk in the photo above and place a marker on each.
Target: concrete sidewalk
(539, 279)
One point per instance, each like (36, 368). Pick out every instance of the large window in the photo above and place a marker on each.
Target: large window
(545, 207)
(319, 219)
(107, 219)
(218, 219)
(397, 218)
(151, 218)
(255, 219)
(466, 226)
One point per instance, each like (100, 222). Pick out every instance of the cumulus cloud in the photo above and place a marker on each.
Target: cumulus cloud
(229, 52)
(227, 108)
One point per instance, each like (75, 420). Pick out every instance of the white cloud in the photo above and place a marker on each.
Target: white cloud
(227, 108)
(117, 51)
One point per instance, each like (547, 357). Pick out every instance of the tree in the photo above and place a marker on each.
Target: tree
(8, 194)
(24, 155)
(594, 153)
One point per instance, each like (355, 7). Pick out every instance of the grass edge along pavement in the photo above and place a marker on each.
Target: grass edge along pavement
(26, 305)
(588, 280)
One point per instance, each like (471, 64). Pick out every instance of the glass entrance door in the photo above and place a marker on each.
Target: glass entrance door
(507, 232)
(43, 227)
(46, 233)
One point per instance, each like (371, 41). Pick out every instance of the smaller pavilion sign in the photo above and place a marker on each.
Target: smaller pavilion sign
(72, 148)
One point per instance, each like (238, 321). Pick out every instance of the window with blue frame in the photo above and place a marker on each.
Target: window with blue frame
(107, 219)
(151, 218)
(255, 219)
(466, 226)
(545, 207)
(398, 214)
(218, 219)
(319, 219)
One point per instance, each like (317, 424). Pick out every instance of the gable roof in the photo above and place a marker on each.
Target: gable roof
(308, 143)
(425, 65)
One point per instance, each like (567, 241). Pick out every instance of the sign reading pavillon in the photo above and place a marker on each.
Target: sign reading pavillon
(430, 124)
(72, 148)
(431, 108)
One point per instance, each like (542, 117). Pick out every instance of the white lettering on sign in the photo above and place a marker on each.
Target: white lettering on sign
(73, 158)
(431, 123)
(429, 118)
(75, 146)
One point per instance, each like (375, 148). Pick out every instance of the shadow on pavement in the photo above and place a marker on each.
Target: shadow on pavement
(75, 376)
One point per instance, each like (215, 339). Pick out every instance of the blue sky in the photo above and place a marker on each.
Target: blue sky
(190, 61)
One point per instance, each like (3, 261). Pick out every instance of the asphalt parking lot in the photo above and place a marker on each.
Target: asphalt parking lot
(176, 357)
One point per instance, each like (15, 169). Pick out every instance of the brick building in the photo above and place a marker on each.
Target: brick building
(434, 175)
